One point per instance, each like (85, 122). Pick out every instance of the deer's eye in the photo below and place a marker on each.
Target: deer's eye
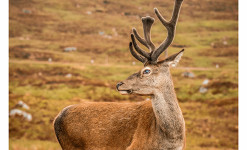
(146, 71)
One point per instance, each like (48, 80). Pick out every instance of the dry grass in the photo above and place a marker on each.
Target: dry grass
(40, 30)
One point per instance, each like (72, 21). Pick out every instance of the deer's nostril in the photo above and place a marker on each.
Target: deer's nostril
(119, 84)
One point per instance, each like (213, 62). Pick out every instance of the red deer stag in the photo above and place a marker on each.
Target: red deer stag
(155, 124)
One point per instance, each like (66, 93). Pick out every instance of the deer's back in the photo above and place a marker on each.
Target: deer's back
(101, 125)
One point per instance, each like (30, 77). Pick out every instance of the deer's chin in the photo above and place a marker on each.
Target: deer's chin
(125, 92)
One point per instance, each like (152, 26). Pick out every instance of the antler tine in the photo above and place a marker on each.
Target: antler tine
(139, 38)
(138, 57)
(147, 23)
(138, 49)
(170, 26)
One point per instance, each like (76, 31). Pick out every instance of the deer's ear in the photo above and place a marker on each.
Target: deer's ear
(174, 59)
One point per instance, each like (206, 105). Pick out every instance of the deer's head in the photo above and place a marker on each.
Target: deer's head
(155, 74)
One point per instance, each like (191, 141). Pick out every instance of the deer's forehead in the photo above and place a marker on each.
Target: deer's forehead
(151, 66)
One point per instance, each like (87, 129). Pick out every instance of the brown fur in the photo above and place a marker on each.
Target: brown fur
(104, 125)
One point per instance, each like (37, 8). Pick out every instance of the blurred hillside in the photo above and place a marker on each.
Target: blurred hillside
(47, 78)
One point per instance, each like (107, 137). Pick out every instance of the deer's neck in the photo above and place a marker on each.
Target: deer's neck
(168, 113)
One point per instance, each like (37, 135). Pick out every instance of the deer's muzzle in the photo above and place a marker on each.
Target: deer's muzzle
(123, 91)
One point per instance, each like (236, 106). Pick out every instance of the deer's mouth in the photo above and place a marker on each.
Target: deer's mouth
(125, 92)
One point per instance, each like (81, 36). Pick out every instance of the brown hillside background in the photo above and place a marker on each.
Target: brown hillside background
(46, 78)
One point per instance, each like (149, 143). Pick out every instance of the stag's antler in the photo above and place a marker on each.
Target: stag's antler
(152, 57)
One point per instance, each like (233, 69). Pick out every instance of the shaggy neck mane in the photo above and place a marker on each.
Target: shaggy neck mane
(167, 111)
